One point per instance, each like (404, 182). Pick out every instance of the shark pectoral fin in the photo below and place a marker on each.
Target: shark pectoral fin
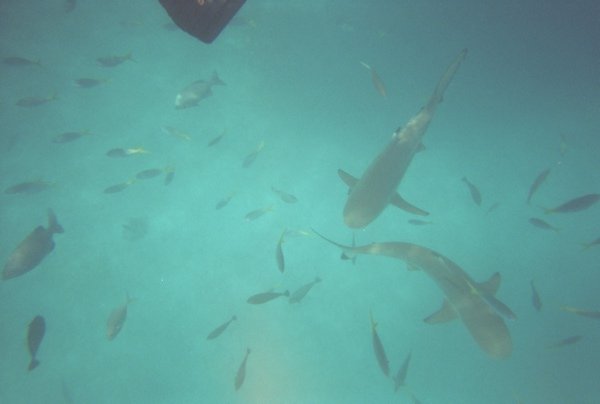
(348, 179)
(491, 286)
(399, 202)
(443, 315)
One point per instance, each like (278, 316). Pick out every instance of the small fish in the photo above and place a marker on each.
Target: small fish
(28, 187)
(223, 202)
(539, 180)
(219, 330)
(121, 152)
(566, 341)
(252, 156)
(241, 373)
(419, 222)
(279, 252)
(377, 82)
(563, 146)
(135, 228)
(543, 224)
(18, 61)
(67, 137)
(89, 83)
(380, 355)
(169, 175)
(299, 294)
(576, 204)
(35, 334)
(475, 194)
(117, 318)
(33, 249)
(400, 379)
(170, 130)
(287, 198)
(265, 297)
(216, 139)
(113, 189)
(29, 102)
(114, 60)
(255, 214)
(69, 5)
(194, 92)
(592, 243)
(149, 173)
(535, 297)
(585, 313)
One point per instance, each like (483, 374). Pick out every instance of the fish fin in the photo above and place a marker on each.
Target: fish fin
(491, 286)
(53, 225)
(33, 364)
(348, 179)
(399, 202)
(216, 80)
(444, 314)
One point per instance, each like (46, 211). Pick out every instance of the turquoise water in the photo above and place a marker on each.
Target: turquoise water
(294, 80)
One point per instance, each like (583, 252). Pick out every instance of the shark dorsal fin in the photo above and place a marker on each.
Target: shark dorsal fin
(443, 315)
(491, 286)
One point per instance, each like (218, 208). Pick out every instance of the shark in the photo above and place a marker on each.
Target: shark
(370, 194)
(472, 302)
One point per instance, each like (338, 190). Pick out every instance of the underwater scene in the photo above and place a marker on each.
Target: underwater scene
(332, 202)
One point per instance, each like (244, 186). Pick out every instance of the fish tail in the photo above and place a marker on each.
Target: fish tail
(53, 225)
(33, 364)
(216, 80)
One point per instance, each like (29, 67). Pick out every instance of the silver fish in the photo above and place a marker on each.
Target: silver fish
(194, 92)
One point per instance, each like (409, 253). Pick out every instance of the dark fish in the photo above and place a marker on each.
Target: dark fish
(223, 202)
(219, 330)
(115, 60)
(566, 341)
(564, 146)
(299, 294)
(265, 297)
(169, 175)
(69, 5)
(592, 243)
(35, 334)
(419, 222)
(89, 83)
(249, 159)
(575, 205)
(28, 187)
(216, 139)
(33, 249)
(279, 252)
(193, 93)
(475, 194)
(66, 137)
(28, 102)
(400, 378)
(241, 373)
(113, 189)
(135, 228)
(539, 180)
(255, 214)
(287, 198)
(117, 318)
(121, 152)
(377, 82)
(585, 313)
(18, 61)
(543, 224)
(535, 298)
(149, 173)
(380, 355)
